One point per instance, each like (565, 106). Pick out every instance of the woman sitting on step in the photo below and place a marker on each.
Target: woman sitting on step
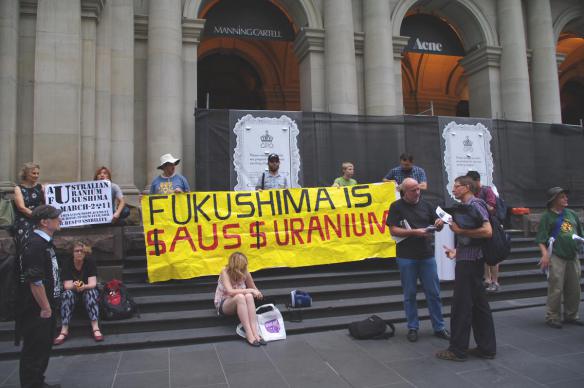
(235, 294)
(80, 281)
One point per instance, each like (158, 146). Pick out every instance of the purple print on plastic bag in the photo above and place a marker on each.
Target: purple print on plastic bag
(272, 326)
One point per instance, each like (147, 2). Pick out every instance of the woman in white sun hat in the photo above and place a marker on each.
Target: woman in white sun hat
(169, 182)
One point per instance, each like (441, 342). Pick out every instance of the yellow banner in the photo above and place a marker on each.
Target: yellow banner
(192, 234)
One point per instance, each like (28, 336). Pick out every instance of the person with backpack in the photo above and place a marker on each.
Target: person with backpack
(487, 194)
(80, 283)
(559, 256)
(470, 307)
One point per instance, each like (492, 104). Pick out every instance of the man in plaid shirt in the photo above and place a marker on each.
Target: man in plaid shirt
(406, 169)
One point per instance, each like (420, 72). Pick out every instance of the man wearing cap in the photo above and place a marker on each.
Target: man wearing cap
(560, 224)
(37, 298)
(272, 179)
(169, 182)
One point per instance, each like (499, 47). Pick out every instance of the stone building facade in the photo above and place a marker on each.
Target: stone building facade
(85, 83)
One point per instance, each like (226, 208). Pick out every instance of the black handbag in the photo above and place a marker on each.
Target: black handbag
(371, 328)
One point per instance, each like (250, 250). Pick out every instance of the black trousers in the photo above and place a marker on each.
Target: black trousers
(470, 308)
(37, 338)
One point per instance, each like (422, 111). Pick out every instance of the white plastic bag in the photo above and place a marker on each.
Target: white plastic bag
(270, 324)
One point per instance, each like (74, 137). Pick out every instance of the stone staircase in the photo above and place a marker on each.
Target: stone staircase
(181, 312)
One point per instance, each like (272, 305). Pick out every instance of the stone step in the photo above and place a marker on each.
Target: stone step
(141, 340)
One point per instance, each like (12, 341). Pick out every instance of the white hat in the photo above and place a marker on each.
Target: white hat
(167, 158)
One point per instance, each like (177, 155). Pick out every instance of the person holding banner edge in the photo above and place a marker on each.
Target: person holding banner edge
(415, 220)
(235, 294)
(169, 182)
(118, 202)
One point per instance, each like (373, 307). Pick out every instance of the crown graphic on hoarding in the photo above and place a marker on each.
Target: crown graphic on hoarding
(467, 142)
(267, 138)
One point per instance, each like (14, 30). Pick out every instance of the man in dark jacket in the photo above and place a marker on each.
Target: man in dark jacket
(38, 296)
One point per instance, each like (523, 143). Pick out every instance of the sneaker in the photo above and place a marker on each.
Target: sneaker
(554, 324)
(449, 355)
(412, 335)
(476, 352)
(576, 322)
(493, 288)
(444, 334)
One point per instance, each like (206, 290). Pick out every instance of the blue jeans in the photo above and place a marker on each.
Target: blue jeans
(424, 269)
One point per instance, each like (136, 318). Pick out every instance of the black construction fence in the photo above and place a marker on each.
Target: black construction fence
(528, 157)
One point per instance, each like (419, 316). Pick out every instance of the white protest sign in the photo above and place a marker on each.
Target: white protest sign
(83, 203)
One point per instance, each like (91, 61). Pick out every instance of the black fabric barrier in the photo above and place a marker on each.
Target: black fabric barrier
(528, 157)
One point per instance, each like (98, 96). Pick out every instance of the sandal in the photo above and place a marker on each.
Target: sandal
(262, 341)
(59, 341)
(97, 337)
(449, 355)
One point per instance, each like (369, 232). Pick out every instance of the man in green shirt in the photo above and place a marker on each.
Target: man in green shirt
(347, 178)
(556, 228)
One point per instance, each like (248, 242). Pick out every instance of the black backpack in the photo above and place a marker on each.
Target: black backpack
(371, 328)
(115, 303)
(497, 248)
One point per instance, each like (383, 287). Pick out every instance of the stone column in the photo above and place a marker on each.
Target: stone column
(309, 48)
(103, 101)
(57, 93)
(9, 15)
(165, 72)
(122, 95)
(191, 33)
(481, 67)
(545, 85)
(378, 52)
(90, 12)
(515, 94)
(399, 44)
(339, 58)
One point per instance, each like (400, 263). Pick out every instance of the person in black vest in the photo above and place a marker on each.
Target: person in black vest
(38, 296)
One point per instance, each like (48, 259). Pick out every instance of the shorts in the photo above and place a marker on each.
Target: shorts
(219, 308)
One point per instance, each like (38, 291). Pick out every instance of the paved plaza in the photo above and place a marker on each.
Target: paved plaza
(529, 355)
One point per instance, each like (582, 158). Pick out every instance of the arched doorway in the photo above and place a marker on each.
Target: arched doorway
(227, 81)
(433, 81)
(571, 77)
(246, 57)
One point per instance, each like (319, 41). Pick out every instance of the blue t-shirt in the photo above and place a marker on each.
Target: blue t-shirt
(166, 185)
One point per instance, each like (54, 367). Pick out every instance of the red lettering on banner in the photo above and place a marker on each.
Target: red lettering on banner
(362, 223)
(215, 243)
(285, 233)
(155, 242)
(186, 237)
(373, 222)
(347, 225)
(253, 231)
(296, 231)
(227, 236)
(313, 226)
(328, 224)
